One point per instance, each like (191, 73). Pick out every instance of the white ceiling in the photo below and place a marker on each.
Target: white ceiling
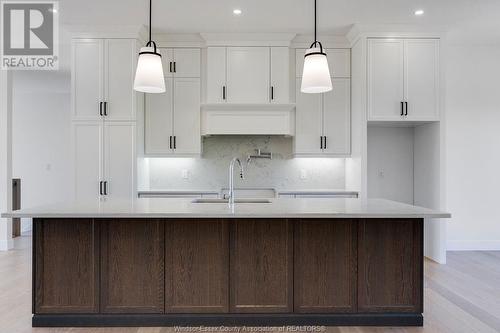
(463, 17)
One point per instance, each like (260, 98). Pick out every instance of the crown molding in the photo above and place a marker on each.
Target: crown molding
(106, 31)
(328, 41)
(248, 39)
(358, 31)
(178, 40)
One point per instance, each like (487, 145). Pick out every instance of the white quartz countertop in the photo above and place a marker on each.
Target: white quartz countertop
(185, 208)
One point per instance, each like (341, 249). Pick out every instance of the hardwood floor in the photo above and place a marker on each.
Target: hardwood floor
(461, 296)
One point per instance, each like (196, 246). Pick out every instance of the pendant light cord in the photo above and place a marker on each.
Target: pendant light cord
(150, 14)
(315, 24)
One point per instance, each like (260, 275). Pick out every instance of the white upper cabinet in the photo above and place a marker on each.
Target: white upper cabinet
(119, 160)
(337, 118)
(248, 75)
(87, 79)
(186, 116)
(280, 75)
(172, 119)
(403, 79)
(339, 62)
(103, 73)
(158, 120)
(323, 121)
(216, 74)
(121, 59)
(308, 122)
(422, 79)
(181, 62)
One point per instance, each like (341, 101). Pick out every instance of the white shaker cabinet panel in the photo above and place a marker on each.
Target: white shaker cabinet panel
(216, 74)
(422, 79)
(385, 78)
(167, 60)
(119, 160)
(248, 74)
(186, 118)
(120, 64)
(158, 120)
(280, 75)
(187, 62)
(339, 62)
(87, 78)
(337, 118)
(87, 143)
(308, 122)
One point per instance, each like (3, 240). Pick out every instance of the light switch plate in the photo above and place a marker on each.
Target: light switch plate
(185, 174)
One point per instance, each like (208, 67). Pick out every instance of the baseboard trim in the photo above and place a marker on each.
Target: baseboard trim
(193, 320)
(6, 245)
(468, 245)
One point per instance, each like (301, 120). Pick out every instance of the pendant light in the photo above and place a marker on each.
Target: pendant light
(316, 74)
(149, 73)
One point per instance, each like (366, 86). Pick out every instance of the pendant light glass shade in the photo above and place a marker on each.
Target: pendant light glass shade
(149, 73)
(316, 74)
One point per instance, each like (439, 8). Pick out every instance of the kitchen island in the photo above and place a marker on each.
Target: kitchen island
(166, 262)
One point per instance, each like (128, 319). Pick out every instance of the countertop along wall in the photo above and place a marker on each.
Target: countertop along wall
(210, 172)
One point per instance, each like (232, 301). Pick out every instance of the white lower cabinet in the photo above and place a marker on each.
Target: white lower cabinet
(172, 124)
(323, 121)
(104, 159)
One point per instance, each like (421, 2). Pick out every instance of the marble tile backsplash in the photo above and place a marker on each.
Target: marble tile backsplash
(210, 172)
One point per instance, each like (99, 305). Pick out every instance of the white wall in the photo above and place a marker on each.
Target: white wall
(473, 146)
(5, 159)
(41, 137)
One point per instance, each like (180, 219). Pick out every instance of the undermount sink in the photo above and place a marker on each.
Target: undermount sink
(257, 201)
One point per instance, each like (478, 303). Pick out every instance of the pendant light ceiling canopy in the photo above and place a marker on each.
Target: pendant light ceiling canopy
(149, 73)
(316, 74)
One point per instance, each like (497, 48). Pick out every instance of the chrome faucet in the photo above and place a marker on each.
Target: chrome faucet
(231, 179)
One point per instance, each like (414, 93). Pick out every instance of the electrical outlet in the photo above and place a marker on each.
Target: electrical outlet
(381, 174)
(303, 174)
(185, 174)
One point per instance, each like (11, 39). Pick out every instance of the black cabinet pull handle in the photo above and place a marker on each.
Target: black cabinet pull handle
(170, 142)
(321, 142)
(272, 93)
(175, 66)
(175, 142)
(100, 109)
(100, 187)
(324, 145)
(105, 187)
(105, 109)
(406, 104)
(170, 67)
(224, 92)
(402, 109)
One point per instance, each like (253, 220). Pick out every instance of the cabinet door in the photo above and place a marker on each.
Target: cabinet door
(385, 79)
(158, 120)
(187, 62)
(308, 120)
(196, 266)
(280, 75)
(422, 79)
(121, 62)
(339, 62)
(120, 159)
(66, 266)
(327, 285)
(87, 159)
(390, 263)
(167, 61)
(132, 266)
(187, 116)
(87, 78)
(337, 118)
(216, 74)
(248, 75)
(261, 267)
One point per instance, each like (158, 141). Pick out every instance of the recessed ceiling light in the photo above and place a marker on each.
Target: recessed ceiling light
(419, 12)
(237, 12)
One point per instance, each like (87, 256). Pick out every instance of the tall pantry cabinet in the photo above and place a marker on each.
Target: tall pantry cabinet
(104, 107)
